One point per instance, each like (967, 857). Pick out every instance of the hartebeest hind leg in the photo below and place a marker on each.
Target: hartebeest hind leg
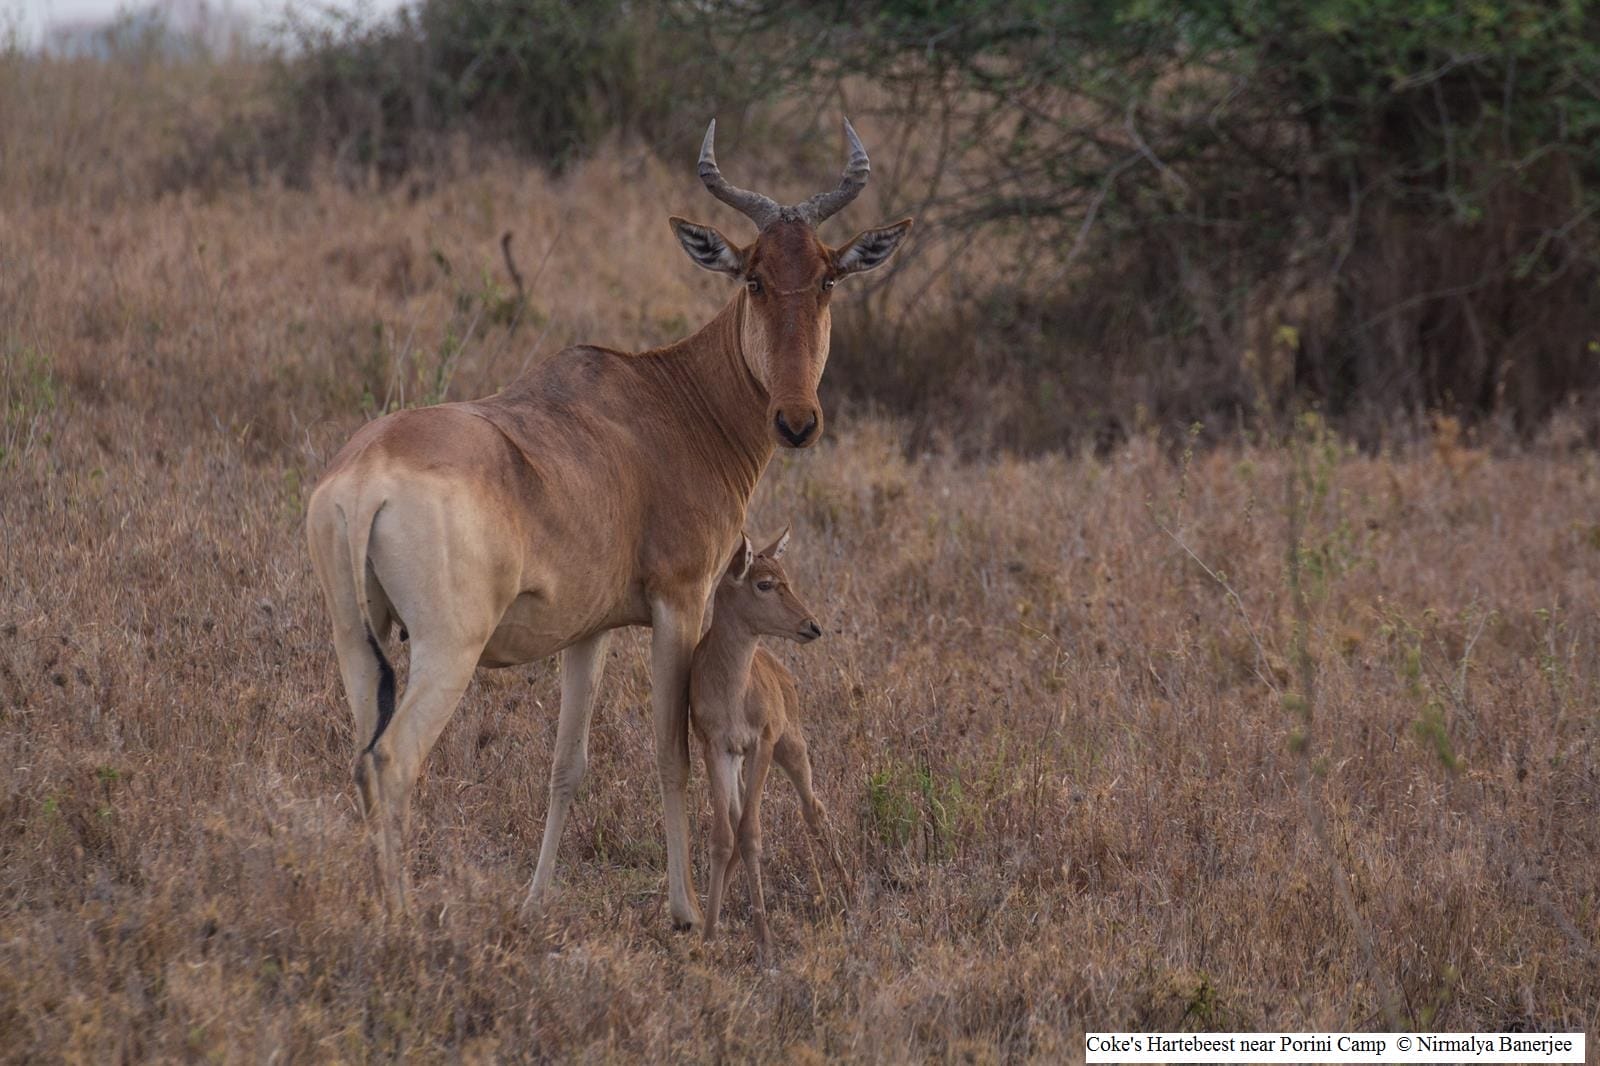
(581, 667)
(361, 616)
(387, 771)
(675, 629)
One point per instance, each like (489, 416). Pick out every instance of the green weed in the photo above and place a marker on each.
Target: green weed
(28, 394)
(908, 800)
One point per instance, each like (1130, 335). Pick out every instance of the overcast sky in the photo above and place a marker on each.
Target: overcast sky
(31, 17)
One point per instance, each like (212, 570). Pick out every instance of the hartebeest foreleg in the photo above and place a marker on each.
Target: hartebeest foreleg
(582, 665)
(675, 631)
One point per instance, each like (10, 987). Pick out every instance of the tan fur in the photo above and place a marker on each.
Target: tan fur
(745, 711)
(595, 492)
(599, 490)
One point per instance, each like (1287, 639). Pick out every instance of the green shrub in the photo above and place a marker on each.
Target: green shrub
(908, 801)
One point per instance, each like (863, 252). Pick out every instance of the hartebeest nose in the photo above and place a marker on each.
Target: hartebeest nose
(809, 631)
(790, 434)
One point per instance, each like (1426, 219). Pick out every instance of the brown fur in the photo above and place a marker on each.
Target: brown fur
(599, 490)
(745, 710)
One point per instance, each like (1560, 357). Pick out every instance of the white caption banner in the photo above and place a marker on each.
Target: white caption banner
(1334, 1047)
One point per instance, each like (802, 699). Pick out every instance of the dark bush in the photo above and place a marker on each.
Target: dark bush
(1212, 212)
(545, 78)
(1227, 208)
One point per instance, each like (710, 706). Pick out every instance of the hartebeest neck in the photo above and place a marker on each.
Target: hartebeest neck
(713, 386)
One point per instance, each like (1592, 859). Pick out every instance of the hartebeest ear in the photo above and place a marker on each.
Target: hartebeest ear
(871, 249)
(743, 556)
(776, 549)
(707, 247)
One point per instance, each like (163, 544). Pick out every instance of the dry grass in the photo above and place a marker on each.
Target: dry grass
(1065, 758)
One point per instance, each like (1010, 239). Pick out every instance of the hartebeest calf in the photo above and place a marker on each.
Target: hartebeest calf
(745, 709)
(600, 489)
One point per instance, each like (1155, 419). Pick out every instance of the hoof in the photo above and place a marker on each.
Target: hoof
(686, 917)
(532, 909)
(688, 920)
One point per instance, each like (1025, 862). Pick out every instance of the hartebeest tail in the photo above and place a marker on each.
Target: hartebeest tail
(600, 489)
(359, 534)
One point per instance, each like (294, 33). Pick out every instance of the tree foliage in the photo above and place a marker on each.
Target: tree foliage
(545, 77)
(1214, 210)
(1385, 204)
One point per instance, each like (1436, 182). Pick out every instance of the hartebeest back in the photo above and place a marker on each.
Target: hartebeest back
(600, 489)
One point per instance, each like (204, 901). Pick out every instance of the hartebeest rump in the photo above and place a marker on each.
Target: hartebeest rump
(744, 707)
(600, 489)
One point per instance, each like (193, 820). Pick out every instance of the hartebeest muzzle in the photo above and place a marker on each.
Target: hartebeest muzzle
(798, 427)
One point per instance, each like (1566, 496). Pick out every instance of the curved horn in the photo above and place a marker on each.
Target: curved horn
(760, 209)
(856, 170)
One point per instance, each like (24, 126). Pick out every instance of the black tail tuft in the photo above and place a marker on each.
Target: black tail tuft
(385, 689)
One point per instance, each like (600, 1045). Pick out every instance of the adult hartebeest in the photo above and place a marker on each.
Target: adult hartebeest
(600, 489)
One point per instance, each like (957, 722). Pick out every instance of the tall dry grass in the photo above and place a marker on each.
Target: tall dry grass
(1060, 708)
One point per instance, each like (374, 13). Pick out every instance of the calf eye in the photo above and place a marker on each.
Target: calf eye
(827, 284)
(754, 285)
(764, 586)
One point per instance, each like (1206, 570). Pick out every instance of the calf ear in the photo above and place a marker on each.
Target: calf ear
(776, 549)
(743, 556)
(871, 249)
(708, 248)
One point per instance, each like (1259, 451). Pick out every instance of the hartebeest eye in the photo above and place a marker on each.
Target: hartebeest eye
(827, 284)
(766, 585)
(754, 285)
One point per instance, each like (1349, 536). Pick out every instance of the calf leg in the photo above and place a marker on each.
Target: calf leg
(795, 759)
(723, 776)
(582, 664)
(736, 796)
(750, 845)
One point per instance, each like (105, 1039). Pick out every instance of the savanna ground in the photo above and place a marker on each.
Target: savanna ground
(1275, 735)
